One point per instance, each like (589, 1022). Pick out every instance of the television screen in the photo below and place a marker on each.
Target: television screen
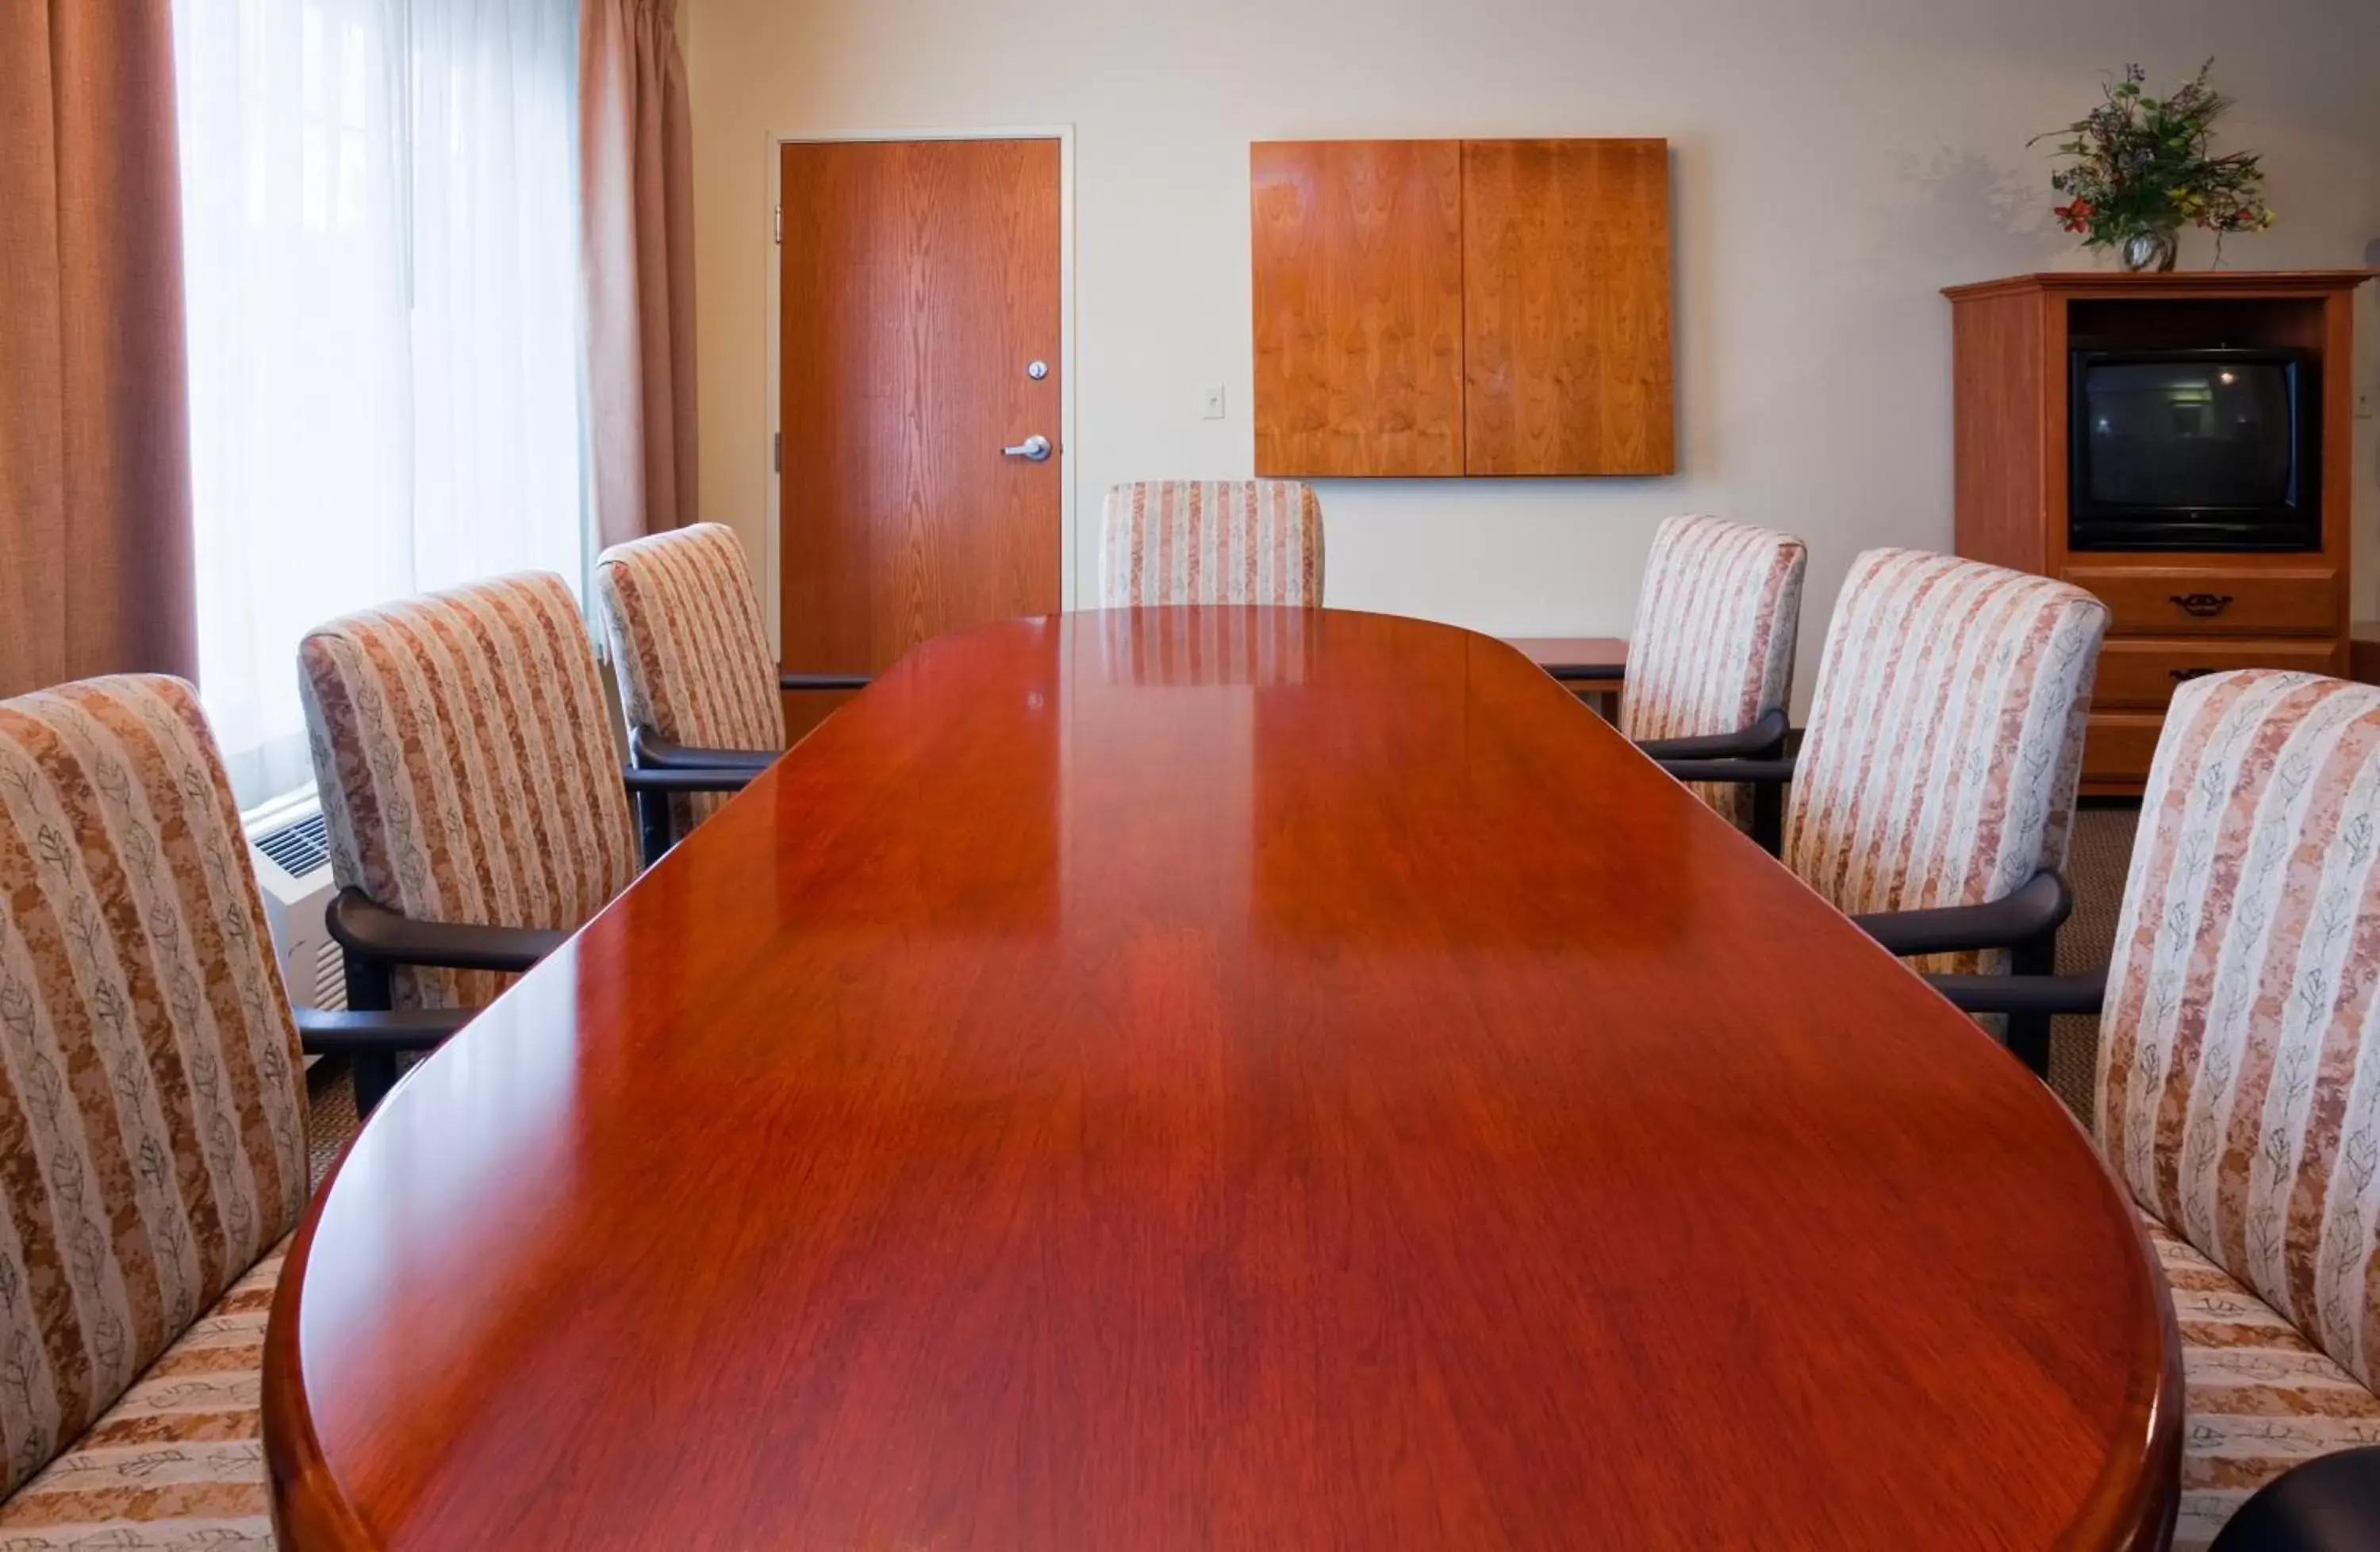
(2189, 434)
(2211, 449)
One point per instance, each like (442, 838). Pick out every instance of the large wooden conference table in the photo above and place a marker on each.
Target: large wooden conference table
(1219, 1079)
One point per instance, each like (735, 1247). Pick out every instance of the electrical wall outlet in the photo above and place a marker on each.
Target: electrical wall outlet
(1213, 409)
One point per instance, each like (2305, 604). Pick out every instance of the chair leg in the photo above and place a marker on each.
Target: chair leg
(1769, 817)
(373, 1074)
(2028, 1034)
(654, 819)
(370, 989)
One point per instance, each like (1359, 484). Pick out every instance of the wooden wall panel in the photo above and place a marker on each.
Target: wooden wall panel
(1566, 274)
(1358, 282)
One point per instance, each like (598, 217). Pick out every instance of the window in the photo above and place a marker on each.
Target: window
(381, 233)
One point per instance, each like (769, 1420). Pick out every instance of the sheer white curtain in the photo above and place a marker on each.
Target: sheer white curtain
(382, 266)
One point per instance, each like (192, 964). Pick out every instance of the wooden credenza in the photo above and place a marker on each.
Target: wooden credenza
(2176, 615)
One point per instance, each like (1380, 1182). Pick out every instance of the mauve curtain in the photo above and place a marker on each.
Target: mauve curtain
(94, 429)
(637, 204)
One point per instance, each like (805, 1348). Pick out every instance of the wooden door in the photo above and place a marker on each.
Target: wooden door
(920, 285)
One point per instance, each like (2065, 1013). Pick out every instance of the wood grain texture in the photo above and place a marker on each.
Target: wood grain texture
(2006, 453)
(2123, 284)
(2338, 439)
(806, 709)
(1357, 277)
(1575, 656)
(2145, 598)
(919, 279)
(2156, 320)
(2012, 340)
(1331, 1140)
(2142, 672)
(1566, 307)
(2117, 748)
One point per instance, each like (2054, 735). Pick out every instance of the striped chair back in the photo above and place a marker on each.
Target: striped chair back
(1945, 739)
(467, 765)
(691, 647)
(153, 1117)
(1713, 649)
(1211, 542)
(2239, 1077)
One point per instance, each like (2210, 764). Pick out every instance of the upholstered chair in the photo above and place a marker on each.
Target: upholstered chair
(698, 689)
(1933, 796)
(2238, 1093)
(1211, 542)
(152, 1125)
(1710, 663)
(474, 796)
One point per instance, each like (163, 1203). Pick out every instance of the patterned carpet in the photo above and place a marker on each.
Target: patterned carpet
(330, 1112)
(2102, 855)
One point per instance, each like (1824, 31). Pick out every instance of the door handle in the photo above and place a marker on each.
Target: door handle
(1033, 450)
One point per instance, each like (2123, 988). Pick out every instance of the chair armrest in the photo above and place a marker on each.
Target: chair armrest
(2038, 906)
(2024, 994)
(371, 931)
(650, 751)
(1757, 772)
(322, 1032)
(688, 778)
(1764, 737)
(2328, 1504)
(824, 681)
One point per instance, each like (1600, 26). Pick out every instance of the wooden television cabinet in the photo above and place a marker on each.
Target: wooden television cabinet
(2177, 614)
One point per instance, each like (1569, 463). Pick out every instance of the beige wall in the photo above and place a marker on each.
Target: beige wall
(1837, 163)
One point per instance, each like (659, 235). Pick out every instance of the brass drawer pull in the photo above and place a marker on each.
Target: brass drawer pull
(2184, 675)
(2204, 606)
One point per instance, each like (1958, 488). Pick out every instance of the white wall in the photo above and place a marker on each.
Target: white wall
(1836, 163)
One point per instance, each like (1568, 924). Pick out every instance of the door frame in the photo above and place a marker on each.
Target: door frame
(1061, 133)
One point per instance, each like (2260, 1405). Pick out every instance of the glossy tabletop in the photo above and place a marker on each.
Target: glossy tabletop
(1233, 1079)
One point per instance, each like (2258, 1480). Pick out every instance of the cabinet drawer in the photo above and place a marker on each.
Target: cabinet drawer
(2119, 746)
(2174, 601)
(2143, 672)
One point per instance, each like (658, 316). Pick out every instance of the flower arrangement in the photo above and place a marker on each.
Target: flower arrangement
(2141, 167)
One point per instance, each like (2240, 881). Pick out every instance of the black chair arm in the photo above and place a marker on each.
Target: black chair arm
(373, 932)
(1757, 772)
(2036, 907)
(2039, 994)
(824, 681)
(1763, 738)
(650, 751)
(2328, 1504)
(688, 778)
(322, 1032)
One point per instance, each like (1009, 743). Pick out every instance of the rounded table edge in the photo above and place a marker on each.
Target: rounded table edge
(311, 1510)
(2130, 1506)
(2133, 1504)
